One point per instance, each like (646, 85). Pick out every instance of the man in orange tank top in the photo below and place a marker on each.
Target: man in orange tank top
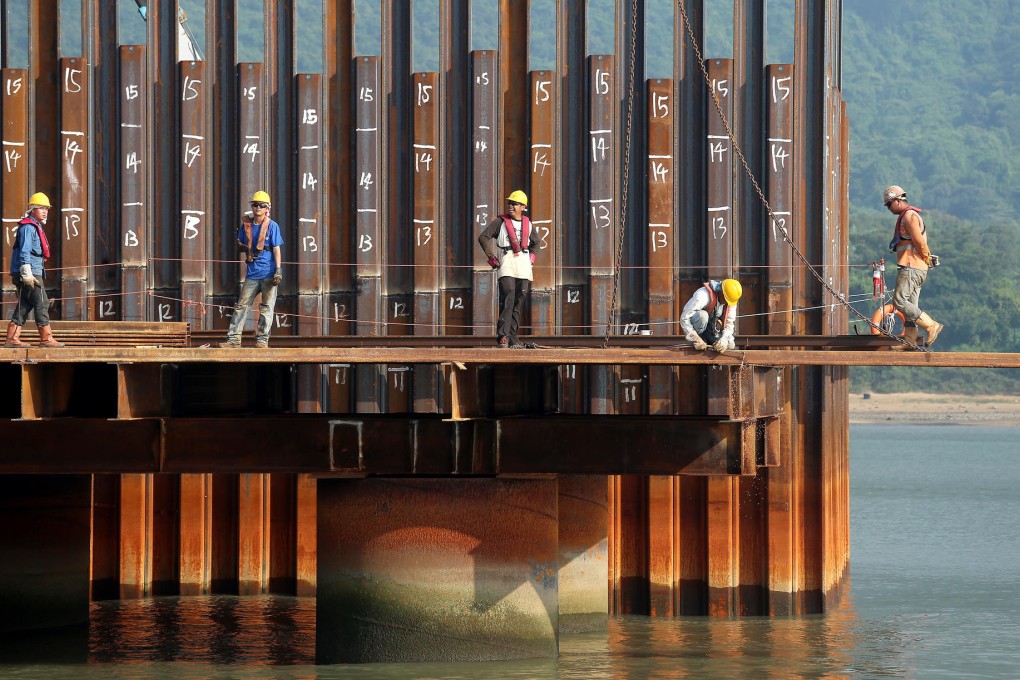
(913, 259)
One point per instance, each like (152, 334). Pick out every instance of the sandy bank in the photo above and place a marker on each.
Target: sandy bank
(917, 407)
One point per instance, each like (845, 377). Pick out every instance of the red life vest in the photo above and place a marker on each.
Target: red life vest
(713, 304)
(894, 244)
(42, 236)
(511, 233)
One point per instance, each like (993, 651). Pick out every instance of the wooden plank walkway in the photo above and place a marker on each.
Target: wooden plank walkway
(493, 356)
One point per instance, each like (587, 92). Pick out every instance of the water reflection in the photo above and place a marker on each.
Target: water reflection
(274, 637)
(217, 629)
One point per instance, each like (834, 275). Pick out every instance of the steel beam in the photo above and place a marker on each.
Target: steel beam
(307, 247)
(748, 211)
(572, 143)
(372, 445)
(194, 213)
(779, 191)
(14, 188)
(631, 296)
(100, 31)
(431, 235)
(225, 139)
(544, 166)
(339, 83)
(515, 88)
(74, 207)
(679, 356)
(164, 123)
(486, 200)
(44, 77)
(134, 179)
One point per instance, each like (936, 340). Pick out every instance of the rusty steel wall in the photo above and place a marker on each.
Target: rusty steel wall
(382, 179)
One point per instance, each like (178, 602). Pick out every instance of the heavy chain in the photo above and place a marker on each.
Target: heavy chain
(627, 131)
(839, 297)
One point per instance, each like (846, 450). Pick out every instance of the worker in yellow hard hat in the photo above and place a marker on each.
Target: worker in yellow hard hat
(28, 256)
(259, 239)
(913, 260)
(710, 315)
(509, 243)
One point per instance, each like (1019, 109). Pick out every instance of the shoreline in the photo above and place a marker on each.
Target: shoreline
(920, 408)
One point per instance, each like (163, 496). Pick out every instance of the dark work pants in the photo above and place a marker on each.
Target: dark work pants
(31, 298)
(512, 293)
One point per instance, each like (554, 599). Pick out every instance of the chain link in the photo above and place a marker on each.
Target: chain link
(631, 87)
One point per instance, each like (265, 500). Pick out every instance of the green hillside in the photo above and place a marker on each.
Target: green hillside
(934, 101)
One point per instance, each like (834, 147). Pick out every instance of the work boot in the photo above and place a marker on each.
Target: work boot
(231, 344)
(13, 333)
(261, 344)
(46, 338)
(931, 328)
(910, 333)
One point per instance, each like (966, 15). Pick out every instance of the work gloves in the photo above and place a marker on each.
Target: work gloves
(493, 262)
(696, 340)
(723, 344)
(277, 278)
(26, 275)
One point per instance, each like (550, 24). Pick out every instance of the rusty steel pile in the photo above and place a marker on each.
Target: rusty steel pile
(381, 180)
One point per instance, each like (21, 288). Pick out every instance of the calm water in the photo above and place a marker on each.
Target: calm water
(935, 592)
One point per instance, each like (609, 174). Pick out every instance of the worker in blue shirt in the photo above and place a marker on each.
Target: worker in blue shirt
(30, 252)
(259, 239)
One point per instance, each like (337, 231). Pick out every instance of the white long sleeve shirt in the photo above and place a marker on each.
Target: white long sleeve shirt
(701, 300)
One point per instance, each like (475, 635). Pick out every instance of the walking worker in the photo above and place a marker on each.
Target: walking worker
(913, 259)
(709, 315)
(31, 250)
(259, 239)
(510, 244)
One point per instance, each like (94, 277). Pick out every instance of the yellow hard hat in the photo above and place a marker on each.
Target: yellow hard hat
(892, 193)
(518, 197)
(731, 291)
(260, 197)
(39, 199)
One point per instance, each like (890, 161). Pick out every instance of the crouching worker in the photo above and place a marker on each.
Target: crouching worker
(709, 315)
(31, 250)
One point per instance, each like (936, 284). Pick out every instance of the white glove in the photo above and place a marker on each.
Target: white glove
(696, 340)
(26, 275)
(723, 344)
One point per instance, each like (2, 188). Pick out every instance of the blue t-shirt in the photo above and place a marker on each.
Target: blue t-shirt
(263, 267)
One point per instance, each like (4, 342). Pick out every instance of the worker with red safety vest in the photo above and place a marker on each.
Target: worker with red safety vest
(708, 317)
(509, 243)
(913, 259)
(30, 252)
(260, 239)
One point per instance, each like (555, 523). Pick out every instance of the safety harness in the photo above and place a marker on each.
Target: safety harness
(511, 233)
(713, 303)
(42, 237)
(261, 245)
(894, 244)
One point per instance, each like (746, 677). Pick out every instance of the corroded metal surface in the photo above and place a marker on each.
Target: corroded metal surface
(430, 570)
(150, 176)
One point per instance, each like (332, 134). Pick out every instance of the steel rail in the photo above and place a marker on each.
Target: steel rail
(490, 356)
(745, 342)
